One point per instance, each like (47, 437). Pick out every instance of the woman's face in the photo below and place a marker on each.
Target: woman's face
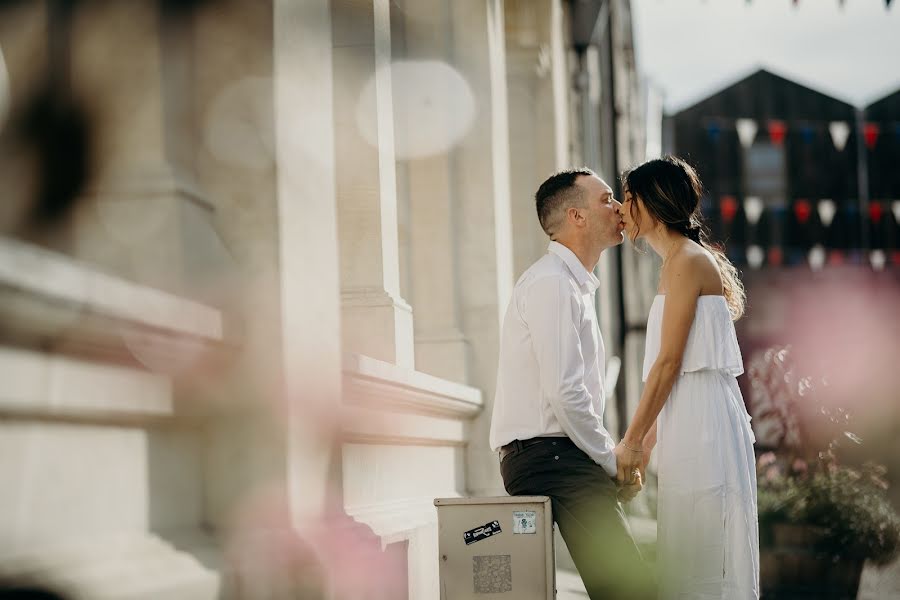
(637, 220)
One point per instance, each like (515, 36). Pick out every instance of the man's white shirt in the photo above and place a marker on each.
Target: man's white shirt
(550, 376)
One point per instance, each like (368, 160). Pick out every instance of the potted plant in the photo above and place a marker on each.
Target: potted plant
(820, 519)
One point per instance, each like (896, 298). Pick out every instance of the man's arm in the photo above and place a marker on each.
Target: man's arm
(553, 314)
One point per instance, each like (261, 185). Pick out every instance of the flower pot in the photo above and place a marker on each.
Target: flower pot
(791, 567)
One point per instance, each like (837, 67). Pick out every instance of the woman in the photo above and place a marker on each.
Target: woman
(691, 405)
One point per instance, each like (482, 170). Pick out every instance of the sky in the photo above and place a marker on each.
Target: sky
(690, 49)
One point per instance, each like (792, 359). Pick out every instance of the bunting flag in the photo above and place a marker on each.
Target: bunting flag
(802, 210)
(895, 208)
(808, 134)
(746, 129)
(875, 212)
(895, 258)
(870, 133)
(775, 256)
(777, 130)
(836, 258)
(877, 258)
(753, 208)
(755, 256)
(816, 257)
(839, 131)
(713, 130)
(728, 207)
(826, 209)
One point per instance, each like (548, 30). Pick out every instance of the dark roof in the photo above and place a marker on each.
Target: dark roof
(764, 94)
(885, 109)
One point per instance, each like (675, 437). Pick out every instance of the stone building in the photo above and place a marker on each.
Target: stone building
(254, 260)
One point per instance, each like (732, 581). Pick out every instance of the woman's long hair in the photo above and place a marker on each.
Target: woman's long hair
(670, 191)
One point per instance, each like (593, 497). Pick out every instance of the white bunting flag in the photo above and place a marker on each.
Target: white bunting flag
(895, 208)
(746, 129)
(753, 208)
(817, 257)
(755, 256)
(878, 258)
(826, 209)
(839, 131)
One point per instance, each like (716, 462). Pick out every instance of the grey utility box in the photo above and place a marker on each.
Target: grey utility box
(496, 548)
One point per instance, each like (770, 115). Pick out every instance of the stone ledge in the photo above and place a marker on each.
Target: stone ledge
(375, 384)
(57, 280)
(396, 520)
(134, 566)
(52, 301)
(59, 386)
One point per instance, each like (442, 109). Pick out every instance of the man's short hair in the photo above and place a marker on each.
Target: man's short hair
(558, 193)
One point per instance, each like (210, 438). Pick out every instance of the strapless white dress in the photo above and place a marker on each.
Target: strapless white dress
(708, 532)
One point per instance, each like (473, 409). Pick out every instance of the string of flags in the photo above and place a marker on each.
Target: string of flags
(803, 209)
(887, 3)
(825, 208)
(777, 130)
(818, 256)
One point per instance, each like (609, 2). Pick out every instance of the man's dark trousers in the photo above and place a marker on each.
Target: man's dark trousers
(587, 512)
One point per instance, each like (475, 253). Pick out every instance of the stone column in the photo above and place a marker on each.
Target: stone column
(131, 64)
(308, 248)
(440, 346)
(376, 321)
(483, 228)
(538, 115)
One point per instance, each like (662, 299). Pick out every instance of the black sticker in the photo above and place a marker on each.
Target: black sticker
(481, 533)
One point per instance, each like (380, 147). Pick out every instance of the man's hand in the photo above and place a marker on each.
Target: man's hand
(629, 464)
(626, 493)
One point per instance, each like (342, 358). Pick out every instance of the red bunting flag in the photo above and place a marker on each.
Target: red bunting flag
(777, 131)
(802, 210)
(775, 256)
(870, 133)
(875, 212)
(836, 257)
(728, 207)
(895, 257)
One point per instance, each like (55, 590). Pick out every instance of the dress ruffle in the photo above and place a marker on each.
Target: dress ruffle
(711, 345)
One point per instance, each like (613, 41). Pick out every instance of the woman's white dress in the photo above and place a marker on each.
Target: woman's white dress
(708, 540)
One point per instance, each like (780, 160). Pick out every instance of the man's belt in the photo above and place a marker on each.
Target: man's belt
(518, 445)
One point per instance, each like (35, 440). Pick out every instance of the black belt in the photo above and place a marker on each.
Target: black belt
(518, 445)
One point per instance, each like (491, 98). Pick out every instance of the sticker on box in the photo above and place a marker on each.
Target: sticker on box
(524, 521)
(481, 533)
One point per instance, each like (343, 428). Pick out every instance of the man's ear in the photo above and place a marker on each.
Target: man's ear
(573, 215)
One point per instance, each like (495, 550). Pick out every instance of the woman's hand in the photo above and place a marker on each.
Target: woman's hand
(629, 463)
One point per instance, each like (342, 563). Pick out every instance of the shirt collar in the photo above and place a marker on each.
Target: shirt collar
(584, 277)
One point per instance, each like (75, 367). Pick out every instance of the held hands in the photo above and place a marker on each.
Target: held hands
(627, 492)
(629, 463)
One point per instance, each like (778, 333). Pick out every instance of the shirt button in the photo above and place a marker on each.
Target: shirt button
(555, 458)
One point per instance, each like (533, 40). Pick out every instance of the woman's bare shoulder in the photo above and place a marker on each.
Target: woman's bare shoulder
(695, 267)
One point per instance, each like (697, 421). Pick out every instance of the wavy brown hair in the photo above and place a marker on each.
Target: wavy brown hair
(670, 190)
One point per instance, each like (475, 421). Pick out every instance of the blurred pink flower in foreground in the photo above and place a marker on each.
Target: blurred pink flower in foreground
(331, 556)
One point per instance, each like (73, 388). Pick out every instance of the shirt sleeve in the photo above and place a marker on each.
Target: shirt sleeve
(553, 310)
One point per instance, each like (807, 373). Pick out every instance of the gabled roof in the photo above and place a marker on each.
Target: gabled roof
(885, 109)
(765, 94)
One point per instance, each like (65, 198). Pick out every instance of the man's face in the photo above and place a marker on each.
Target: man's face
(604, 222)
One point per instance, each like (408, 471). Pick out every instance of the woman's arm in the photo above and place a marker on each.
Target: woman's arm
(678, 316)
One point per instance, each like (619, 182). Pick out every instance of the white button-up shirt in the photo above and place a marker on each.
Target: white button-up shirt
(550, 377)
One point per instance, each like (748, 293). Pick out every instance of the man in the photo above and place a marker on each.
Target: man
(548, 409)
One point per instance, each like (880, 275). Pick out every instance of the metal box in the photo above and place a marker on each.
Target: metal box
(496, 547)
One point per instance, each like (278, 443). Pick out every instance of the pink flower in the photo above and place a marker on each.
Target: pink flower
(766, 459)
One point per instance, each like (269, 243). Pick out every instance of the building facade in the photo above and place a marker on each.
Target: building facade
(255, 257)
